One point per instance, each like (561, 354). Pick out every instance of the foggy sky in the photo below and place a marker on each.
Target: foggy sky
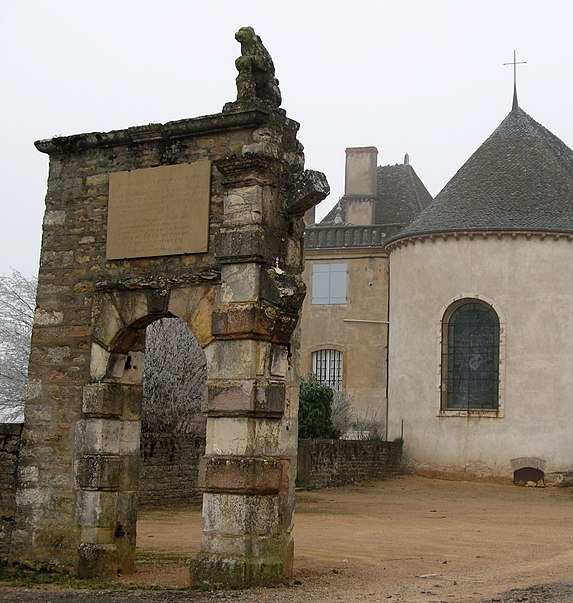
(419, 77)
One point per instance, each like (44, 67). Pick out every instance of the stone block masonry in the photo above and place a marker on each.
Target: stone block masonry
(328, 463)
(169, 469)
(9, 453)
(239, 289)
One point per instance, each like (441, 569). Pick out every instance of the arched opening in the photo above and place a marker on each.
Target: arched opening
(172, 442)
(108, 446)
(174, 375)
(167, 367)
(529, 476)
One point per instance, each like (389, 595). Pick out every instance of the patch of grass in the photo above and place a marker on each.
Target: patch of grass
(161, 556)
(16, 576)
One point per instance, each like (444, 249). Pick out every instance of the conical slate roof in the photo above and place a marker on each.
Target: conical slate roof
(520, 179)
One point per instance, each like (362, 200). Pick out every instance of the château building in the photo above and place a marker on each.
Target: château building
(476, 376)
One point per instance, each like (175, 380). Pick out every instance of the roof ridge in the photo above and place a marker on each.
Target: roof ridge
(414, 179)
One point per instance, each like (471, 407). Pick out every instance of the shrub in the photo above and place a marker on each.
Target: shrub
(369, 428)
(315, 410)
(342, 415)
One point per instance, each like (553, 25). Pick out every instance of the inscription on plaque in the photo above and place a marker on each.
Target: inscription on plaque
(159, 211)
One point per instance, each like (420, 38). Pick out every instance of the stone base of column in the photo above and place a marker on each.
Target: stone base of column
(97, 561)
(242, 571)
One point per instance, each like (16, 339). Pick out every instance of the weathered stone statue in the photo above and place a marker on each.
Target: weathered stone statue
(256, 79)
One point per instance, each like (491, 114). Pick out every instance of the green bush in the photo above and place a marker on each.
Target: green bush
(315, 410)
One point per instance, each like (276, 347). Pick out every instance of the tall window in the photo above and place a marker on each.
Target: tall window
(329, 283)
(327, 367)
(470, 357)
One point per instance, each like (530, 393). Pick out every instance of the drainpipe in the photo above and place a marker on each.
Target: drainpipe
(387, 351)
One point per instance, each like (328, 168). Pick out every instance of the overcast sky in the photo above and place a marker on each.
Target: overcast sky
(420, 77)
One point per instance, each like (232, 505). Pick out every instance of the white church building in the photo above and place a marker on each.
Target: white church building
(480, 347)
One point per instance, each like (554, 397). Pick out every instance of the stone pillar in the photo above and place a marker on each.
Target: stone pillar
(106, 467)
(247, 473)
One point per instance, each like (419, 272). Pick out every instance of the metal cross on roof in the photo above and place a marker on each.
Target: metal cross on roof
(515, 63)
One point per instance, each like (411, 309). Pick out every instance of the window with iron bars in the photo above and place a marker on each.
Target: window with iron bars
(470, 357)
(327, 367)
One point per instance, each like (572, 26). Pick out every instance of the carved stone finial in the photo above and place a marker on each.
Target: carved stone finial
(256, 80)
(338, 215)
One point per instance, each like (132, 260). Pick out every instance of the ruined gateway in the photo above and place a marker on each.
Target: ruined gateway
(199, 219)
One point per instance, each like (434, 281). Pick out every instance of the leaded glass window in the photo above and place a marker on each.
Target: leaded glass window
(470, 364)
(327, 368)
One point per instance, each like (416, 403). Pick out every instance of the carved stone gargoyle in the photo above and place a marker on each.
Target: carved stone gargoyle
(310, 188)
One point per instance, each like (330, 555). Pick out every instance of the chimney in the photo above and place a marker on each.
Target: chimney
(360, 185)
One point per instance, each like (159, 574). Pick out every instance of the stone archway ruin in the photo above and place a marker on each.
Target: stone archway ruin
(200, 219)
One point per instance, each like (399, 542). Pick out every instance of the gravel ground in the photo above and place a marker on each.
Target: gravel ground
(557, 592)
(404, 540)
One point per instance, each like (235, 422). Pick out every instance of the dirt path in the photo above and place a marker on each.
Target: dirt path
(404, 539)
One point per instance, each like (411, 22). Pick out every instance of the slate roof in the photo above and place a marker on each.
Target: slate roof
(520, 178)
(401, 196)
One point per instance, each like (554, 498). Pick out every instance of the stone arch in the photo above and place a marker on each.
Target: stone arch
(119, 318)
(108, 436)
(528, 470)
(199, 219)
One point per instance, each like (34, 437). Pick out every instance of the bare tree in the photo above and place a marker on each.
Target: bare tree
(174, 374)
(341, 411)
(174, 377)
(17, 302)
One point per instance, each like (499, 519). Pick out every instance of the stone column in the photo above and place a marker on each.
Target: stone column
(247, 473)
(107, 456)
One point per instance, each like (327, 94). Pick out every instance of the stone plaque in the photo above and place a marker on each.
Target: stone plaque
(159, 211)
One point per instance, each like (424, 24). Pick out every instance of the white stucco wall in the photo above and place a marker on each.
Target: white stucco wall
(530, 283)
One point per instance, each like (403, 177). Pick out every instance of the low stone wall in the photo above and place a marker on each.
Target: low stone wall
(9, 452)
(169, 468)
(328, 463)
(170, 464)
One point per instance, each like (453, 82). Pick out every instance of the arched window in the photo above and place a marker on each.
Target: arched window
(327, 367)
(470, 357)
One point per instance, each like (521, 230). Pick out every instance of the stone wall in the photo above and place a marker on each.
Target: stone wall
(169, 469)
(169, 465)
(327, 463)
(9, 452)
